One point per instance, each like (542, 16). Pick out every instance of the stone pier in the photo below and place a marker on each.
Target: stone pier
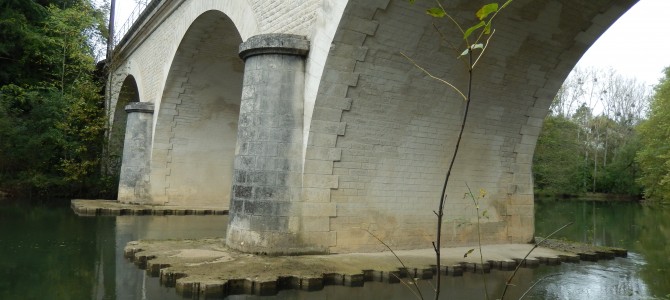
(134, 177)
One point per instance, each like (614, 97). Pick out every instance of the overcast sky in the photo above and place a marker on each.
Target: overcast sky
(637, 45)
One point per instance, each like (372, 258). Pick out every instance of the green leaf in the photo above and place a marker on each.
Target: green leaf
(472, 29)
(465, 53)
(411, 1)
(436, 12)
(486, 10)
(479, 46)
(469, 252)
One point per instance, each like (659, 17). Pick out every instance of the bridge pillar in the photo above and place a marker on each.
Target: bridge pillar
(134, 177)
(267, 176)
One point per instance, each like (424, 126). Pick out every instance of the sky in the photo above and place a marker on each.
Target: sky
(637, 45)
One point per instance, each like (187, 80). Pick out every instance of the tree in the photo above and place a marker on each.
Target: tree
(605, 107)
(654, 157)
(51, 109)
(557, 168)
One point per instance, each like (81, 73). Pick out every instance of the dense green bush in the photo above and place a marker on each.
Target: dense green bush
(51, 106)
(654, 156)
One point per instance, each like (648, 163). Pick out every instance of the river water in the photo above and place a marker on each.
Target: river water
(47, 252)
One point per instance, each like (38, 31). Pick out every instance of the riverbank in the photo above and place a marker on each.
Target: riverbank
(585, 252)
(600, 197)
(206, 268)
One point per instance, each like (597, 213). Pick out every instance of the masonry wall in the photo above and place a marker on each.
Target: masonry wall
(190, 164)
(378, 133)
(196, 133)
(388, 130)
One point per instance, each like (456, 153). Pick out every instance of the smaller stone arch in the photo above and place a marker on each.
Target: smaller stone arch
(127, 93)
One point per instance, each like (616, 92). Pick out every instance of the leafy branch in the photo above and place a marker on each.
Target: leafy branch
(474, 52)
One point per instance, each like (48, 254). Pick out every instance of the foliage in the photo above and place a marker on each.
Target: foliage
(555, 167)
(51, 112)
(476, 38)
(579, 151)
(619, 176)
(654, 155)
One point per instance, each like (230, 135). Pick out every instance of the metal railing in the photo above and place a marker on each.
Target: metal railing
(134, 15)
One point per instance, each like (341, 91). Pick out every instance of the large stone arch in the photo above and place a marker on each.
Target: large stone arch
(377, 133)
(158, 36)
(196, 120)
(382, 132)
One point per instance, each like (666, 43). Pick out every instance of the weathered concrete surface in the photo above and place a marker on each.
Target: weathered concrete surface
(134, 175)
(207, 268)
(114, 208)
(265, 214)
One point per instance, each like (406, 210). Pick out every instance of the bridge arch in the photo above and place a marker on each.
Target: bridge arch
(384, 131)
(128, 93)
(196, 120)
(377, 133)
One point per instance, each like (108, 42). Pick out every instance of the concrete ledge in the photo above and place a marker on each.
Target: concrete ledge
(274, 43)
(206, 268)
(114, 208)
(143, 107)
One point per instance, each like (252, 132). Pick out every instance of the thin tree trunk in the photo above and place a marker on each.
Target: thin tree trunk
(440, 213)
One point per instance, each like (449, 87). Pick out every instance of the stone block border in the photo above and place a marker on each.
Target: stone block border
(91, 208)
(176, 264)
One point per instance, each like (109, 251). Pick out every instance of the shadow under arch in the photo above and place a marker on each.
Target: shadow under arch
(196, 122)
(128, 93)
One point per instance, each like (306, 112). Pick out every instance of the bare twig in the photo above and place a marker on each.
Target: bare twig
(534, 284)
(444, 38)
(420, 296)
(483, 49)
(479, 240)
(525, 257)
(435, 77)
(451, 18)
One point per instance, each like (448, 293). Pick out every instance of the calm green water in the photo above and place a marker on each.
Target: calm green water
(46, 252)
(643, 230)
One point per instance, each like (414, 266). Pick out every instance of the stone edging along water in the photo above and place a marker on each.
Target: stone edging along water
(114, 208)
(206, 268)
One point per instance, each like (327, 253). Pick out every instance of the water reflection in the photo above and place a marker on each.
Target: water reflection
(134, 284)
(652, 225)
(44, 255)
(643, 230)
(47, 252)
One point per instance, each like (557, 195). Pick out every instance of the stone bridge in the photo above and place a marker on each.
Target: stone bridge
(303, 118)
